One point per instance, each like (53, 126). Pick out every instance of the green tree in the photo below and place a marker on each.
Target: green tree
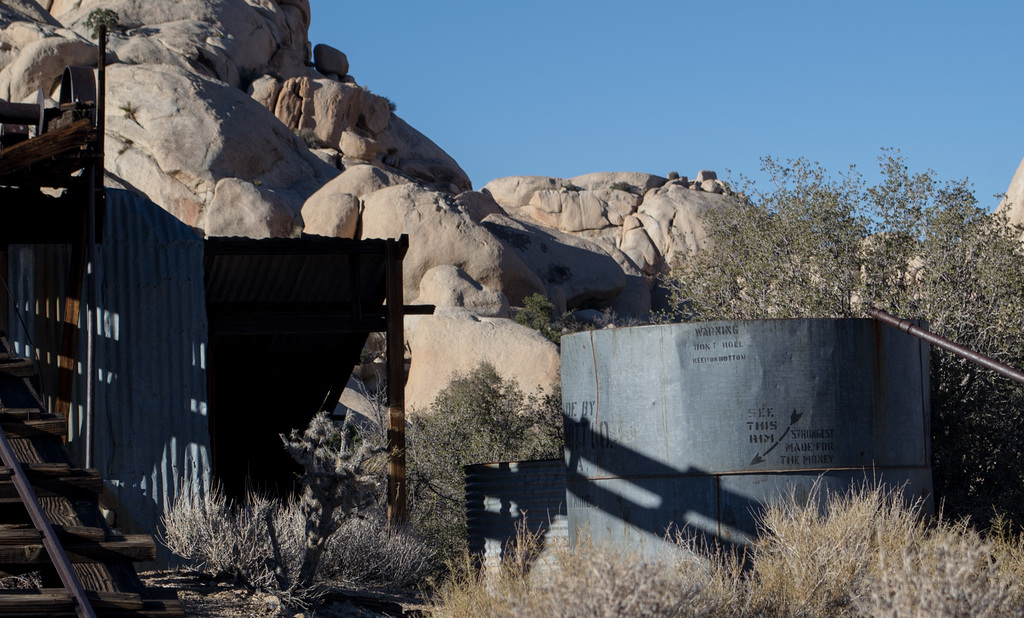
(818, 246)
(478, 418)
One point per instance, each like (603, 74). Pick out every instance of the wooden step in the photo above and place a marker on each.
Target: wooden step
(22, 414)
(17, 369)
(57, 602)
(48, 425)
(21, 547)
(52, 480)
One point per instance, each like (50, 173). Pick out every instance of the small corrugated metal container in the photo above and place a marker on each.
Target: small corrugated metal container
(698, 425)
(499, 496)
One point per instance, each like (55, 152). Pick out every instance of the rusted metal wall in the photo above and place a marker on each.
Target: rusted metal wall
(149, 362)
(698, 425)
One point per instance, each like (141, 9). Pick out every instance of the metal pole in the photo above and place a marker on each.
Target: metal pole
(908, 327)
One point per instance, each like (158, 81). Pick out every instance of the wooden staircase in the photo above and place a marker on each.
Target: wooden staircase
(102, 560)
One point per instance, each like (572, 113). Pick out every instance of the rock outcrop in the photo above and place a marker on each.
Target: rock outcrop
(1013, 203)
(224, 114)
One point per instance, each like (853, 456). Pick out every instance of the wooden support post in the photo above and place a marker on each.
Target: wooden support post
(396, 381)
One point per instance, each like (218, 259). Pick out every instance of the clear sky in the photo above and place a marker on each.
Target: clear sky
(559, 88)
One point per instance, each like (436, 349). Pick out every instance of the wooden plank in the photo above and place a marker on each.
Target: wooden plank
(396, 381)
(294, 324)
(54, 426)
(134, 548)
(20, 414)
(71, 486)
(47, 145)
(57, 601)
(13, 369)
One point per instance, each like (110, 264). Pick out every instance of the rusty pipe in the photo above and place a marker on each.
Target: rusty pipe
(922, 333)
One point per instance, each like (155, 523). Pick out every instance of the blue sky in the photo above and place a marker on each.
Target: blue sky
(566, 88)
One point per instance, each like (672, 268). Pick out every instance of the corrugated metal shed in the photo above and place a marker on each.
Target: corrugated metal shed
(150, 338)
(203, 350)
(288, 320)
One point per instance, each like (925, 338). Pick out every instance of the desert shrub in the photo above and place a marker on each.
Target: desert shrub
(480, 417)
(102, 17)
(863, 552)
(309, 137)
(673, 175)
(623, 186)
(538, 314)
(569, 186)
(817, 246)
(953, 572)
(334, 530)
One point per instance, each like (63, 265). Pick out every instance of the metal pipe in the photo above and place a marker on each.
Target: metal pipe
(921, 333)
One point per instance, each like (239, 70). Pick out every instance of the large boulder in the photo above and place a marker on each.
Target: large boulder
(449, 286)
(671, 217)
(580, 212)
(575, 271)
(331, 212)
(1013, 203)
(40, 64)
(362, 180)
(604, 180)
(516, 191)
(231, 41)
(175, 136)
(455, 341)
(442, 234)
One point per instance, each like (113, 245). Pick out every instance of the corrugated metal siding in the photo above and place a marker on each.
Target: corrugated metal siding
(151, 433)
(500, 497)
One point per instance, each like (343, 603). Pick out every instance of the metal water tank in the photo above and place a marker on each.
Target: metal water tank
(500, 496)
(700, 424)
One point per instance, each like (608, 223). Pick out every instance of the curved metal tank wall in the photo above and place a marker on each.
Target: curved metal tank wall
(500, 495)
(698, 424)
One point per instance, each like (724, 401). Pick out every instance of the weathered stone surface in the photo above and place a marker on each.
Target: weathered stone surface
(328, 60)
(672, 218)
(456, 342)
(1013, 203)
(440, 234)
(580, 211)
(358, 146)
(516, 191)
(449, 286)
(362, 180)
(240, 208)
(32, 10)
(577, 268)
(604, 180)
(423, 159)
(185, 134)
(41, 64)
(225, 39)
(477, 205)
(705, 175)
(332, 213)
(375, 114)
(637, 244)
(336, 108)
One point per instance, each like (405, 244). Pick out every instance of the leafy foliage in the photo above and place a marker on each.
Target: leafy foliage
(537, 313)
(102, 17)
(478, 418)
(817, 246)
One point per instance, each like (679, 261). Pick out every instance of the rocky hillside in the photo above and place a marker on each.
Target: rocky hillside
(224, 114)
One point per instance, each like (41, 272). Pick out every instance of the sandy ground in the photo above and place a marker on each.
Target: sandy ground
(205, 597)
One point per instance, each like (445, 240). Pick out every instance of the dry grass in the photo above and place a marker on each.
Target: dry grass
(862, 553)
